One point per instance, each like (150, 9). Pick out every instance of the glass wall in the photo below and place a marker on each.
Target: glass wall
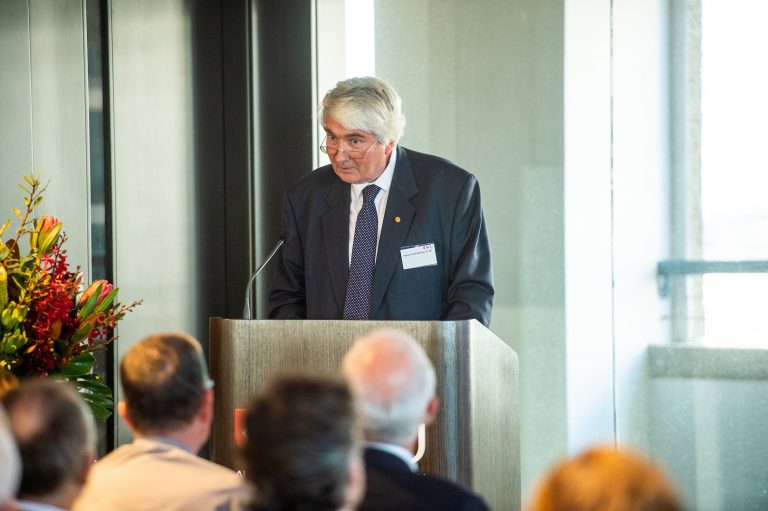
(574, 118)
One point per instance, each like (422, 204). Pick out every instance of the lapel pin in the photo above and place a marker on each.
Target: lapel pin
(397, 219)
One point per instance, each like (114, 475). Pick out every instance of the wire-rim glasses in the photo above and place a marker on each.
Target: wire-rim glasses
(351, 153)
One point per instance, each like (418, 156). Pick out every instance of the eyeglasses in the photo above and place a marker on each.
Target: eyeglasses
(351, 154)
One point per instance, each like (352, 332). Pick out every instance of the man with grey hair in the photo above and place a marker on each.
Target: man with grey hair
(393, 382)
(168, 405)
(10, 474)
(56, 436)
(383, 232)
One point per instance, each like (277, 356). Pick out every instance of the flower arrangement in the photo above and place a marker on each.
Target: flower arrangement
(45, 327)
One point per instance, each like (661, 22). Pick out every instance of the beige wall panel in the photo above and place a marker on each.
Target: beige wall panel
(154, 163)
(15, 102)
(60, 117)
(44, 111)
(482, 85)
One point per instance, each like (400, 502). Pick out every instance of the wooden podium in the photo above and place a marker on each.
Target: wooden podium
(475, 439)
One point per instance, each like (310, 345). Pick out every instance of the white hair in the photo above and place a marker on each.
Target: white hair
(393, 382)
(10, 475)
(366, 104)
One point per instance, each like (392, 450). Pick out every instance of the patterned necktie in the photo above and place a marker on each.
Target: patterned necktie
(357, 303)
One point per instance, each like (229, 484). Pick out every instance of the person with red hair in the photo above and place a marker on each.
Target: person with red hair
(606, 479)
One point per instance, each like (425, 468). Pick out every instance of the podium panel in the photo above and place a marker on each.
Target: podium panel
(475, 439)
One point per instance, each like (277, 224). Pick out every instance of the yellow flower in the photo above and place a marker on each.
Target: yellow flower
(45, 234)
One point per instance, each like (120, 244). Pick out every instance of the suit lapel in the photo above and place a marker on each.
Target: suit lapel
(336, 236)
(397, 221)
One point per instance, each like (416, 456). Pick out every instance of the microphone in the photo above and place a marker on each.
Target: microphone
(247, 307)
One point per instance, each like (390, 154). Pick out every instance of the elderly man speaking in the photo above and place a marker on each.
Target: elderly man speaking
(383, 232)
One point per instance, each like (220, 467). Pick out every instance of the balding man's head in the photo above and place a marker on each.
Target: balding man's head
(393, 382)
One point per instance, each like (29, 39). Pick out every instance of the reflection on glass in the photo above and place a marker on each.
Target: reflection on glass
(97, 137)
(101, 264)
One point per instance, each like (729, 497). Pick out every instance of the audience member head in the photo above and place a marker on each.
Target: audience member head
(604, 479)
(302, 450)
(366, 104)
(10, 474)
(56, 437)
(394, 386)
(166, 389)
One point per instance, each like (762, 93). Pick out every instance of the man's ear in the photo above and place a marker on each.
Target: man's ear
(122, 411)
(432, 408)
(206, 407)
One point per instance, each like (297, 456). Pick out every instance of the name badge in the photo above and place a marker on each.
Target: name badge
(417, 256)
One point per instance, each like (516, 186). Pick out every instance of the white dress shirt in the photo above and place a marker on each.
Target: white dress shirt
(384, 182)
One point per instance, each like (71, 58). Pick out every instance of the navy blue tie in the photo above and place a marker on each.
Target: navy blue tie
(357, 303)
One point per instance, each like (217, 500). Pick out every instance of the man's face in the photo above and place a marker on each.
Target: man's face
(363, 170)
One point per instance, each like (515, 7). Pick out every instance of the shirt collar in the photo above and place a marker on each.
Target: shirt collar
(28, 505)
(396, 450)
(167, 441)
(384, 181)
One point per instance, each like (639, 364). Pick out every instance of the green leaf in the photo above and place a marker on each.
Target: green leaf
(96, 394)
(43, 240)
(100, 406)
(3, 286)
(86, 309)
(79, 365)
(107, 302)
(84, 329)
(5, 227)
(96, 388)
(97, 399)
(30, 179)
(101, 412)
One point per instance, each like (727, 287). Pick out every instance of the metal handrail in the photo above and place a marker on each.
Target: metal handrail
(666, 269)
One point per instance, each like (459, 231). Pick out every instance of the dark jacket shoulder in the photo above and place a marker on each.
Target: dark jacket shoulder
(392, 485)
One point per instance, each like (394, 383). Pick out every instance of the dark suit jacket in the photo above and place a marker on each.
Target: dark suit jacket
(391, 485)
(430, 201)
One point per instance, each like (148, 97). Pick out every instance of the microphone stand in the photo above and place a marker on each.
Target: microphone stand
(247, 308)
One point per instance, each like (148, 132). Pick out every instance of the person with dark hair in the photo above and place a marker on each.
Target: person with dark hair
(168, 405)
(302, 449)
(394, 383)
(56, 437)
(606, 479)
(10, 463)
(383, 232)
